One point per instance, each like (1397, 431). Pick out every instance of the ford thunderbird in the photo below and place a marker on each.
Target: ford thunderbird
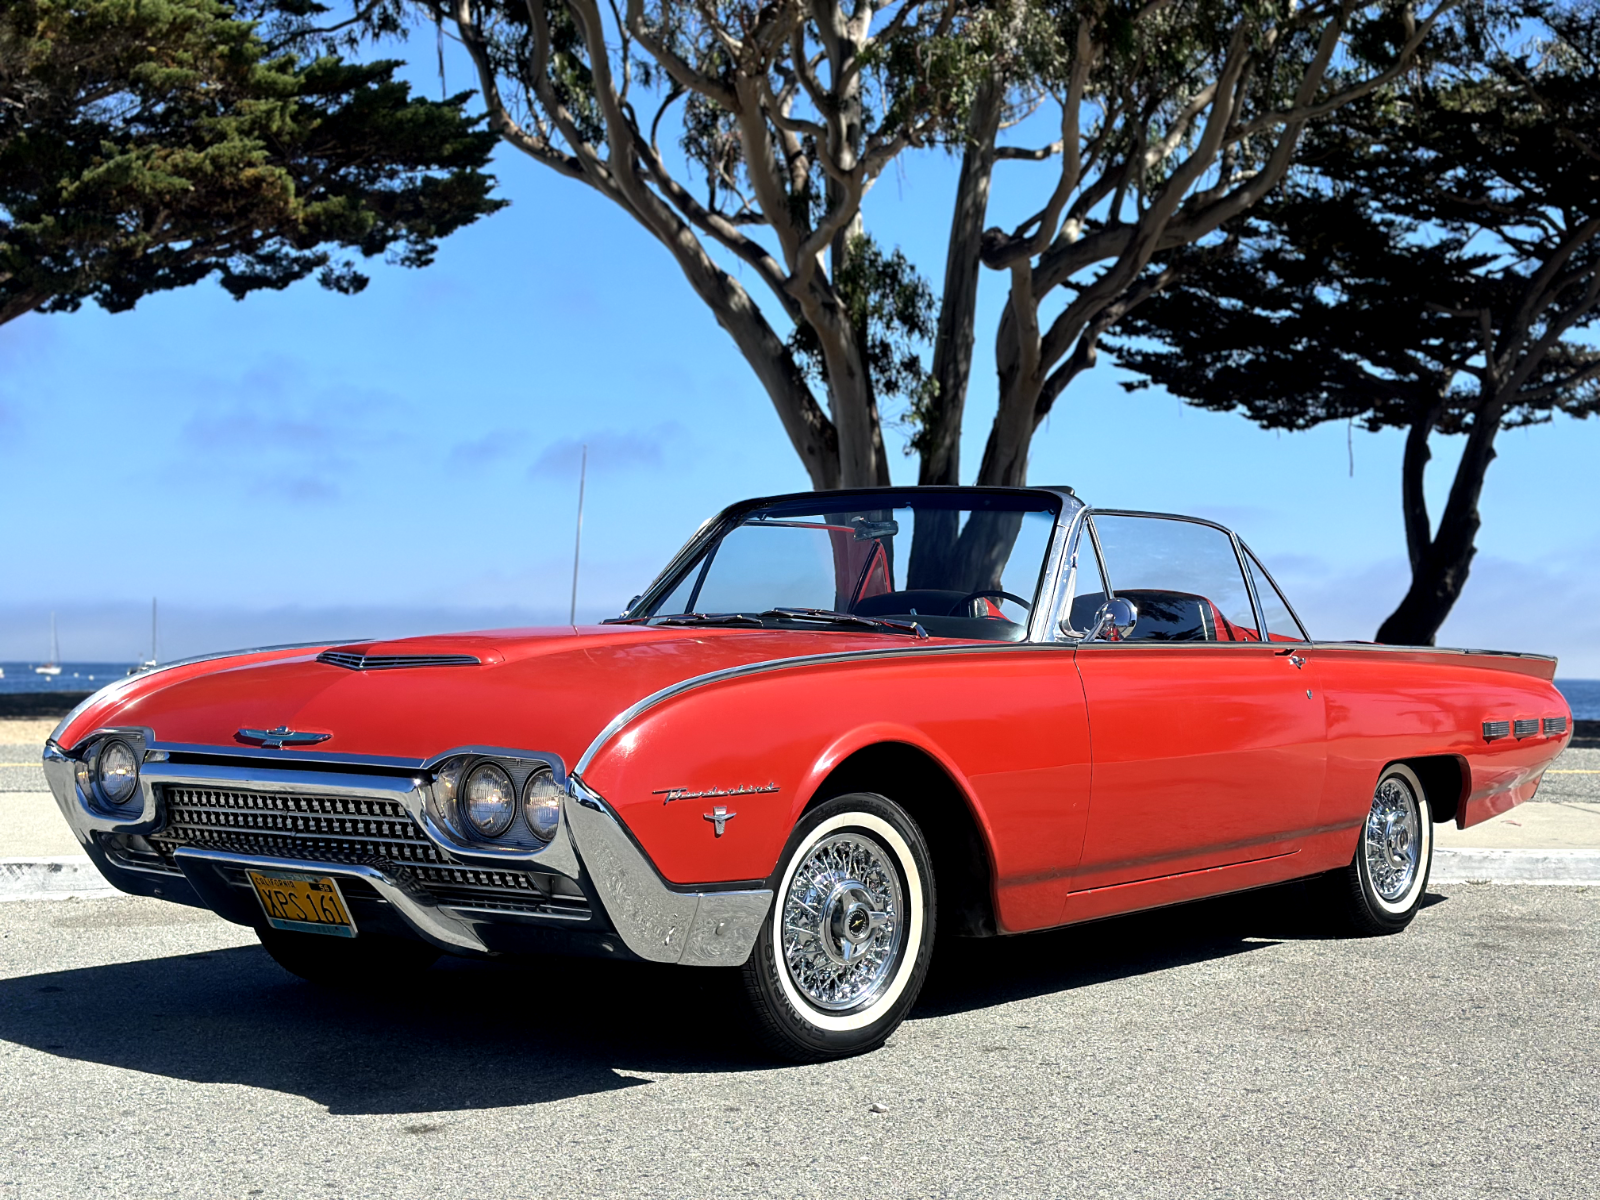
(837, 725)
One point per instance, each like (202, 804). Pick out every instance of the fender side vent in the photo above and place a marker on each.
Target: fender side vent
(1526, 728)
(1555, 724)
(1496, 729)
(394, 662)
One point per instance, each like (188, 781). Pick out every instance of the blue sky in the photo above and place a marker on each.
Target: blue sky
(302, 464)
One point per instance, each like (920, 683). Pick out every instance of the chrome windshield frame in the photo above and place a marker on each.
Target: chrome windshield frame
(1067, 507)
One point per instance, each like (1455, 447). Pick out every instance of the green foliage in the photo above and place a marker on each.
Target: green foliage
(148, 144)
(1438, 254)
(894, 312)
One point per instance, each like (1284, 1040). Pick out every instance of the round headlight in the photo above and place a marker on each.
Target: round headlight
(117, 772)
(541, 803)
(488, 800)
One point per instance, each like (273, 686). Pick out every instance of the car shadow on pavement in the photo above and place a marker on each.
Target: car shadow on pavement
(471, 1035)
(975, 974)
(463, 1036)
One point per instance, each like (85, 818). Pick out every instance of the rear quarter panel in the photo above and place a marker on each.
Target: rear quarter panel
(1385, 705)
(1008, 726)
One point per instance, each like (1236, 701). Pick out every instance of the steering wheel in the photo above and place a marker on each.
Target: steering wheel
(982, 592)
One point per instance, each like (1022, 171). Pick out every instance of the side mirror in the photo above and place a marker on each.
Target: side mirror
(1113, 621)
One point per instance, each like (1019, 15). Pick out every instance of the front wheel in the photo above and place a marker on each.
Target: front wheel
(845, 950)
(1381, 890)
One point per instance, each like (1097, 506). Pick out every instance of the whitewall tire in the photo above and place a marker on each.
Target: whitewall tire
(844, 952)
(1382, 888)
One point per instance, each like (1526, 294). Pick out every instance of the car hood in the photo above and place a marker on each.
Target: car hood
(552, 690)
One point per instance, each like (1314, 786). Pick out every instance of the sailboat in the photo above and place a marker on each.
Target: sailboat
(53, 667)
(151, 661)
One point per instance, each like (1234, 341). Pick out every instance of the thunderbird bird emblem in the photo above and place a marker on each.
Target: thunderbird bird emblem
(277, 739)
(719, 816)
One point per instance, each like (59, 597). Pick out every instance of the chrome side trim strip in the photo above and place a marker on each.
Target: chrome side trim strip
(1385, 648)
(699, 929)
(623, 718)
(419, 910)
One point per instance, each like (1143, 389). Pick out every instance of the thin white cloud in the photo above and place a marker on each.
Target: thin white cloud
(609, 450)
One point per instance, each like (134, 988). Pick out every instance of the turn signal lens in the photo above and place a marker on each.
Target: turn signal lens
(488, 800)
(541, 803)
(117, 772)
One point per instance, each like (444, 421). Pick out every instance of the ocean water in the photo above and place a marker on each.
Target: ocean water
(1583, 695)
(74, 677)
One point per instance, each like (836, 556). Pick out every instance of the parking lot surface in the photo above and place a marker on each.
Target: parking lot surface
(1230, 1048)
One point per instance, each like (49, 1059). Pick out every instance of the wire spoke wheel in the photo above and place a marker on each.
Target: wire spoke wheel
(845, 947)
(842, 927)
(1382, 888)
(1392, 840)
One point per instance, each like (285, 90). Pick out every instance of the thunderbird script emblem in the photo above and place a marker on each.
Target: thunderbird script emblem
(277, 739)
(717, 793)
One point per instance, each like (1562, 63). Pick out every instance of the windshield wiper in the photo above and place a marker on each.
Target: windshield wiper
(699, 618)
(839, 618)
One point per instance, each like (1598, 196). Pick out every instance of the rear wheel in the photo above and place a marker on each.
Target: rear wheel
(841, 958)
(368, 961)
(1381, 889)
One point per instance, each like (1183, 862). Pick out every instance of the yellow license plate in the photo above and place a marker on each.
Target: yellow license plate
(305, 903)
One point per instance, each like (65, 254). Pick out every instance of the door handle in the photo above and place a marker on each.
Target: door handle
(1297, 661)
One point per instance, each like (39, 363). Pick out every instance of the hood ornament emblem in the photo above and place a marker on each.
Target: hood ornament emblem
(277, 739)
(719, 816)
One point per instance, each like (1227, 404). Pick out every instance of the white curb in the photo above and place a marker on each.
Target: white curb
(1569, 867)
(69, 877)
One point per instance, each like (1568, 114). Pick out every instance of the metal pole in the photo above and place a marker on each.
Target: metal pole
(577, 541)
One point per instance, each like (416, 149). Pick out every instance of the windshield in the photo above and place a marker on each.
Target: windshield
(957, 565)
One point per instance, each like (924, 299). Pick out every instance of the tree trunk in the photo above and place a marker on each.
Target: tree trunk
(1437, 580)
(862, 461)
(1005, 454)
(20, 305)
(939, 440)
(1413, 498)
(814, 438)
(940, 437)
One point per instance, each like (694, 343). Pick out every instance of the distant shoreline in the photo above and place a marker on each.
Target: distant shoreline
(40, 704)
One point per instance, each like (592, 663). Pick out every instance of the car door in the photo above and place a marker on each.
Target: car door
(1206, 739)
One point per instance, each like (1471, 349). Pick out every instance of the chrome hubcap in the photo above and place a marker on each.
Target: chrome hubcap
(1393, 840)
(842, 922)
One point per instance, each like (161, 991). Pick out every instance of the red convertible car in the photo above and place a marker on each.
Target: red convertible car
(836, 724)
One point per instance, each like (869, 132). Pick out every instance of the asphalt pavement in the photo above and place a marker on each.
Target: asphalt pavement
(1230, 1048)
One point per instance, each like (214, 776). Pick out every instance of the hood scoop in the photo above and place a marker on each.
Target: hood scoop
(394, 662)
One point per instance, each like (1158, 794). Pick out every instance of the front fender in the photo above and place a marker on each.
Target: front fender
(1007, 725)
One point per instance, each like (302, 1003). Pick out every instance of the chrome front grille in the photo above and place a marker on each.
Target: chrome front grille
(352, 830)
(324, 828)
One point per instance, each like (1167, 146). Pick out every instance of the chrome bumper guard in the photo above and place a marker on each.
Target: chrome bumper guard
(702, 929)
(656, 922)
(206, 872)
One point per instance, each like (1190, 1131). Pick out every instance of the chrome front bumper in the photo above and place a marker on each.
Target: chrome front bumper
(653, 920)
